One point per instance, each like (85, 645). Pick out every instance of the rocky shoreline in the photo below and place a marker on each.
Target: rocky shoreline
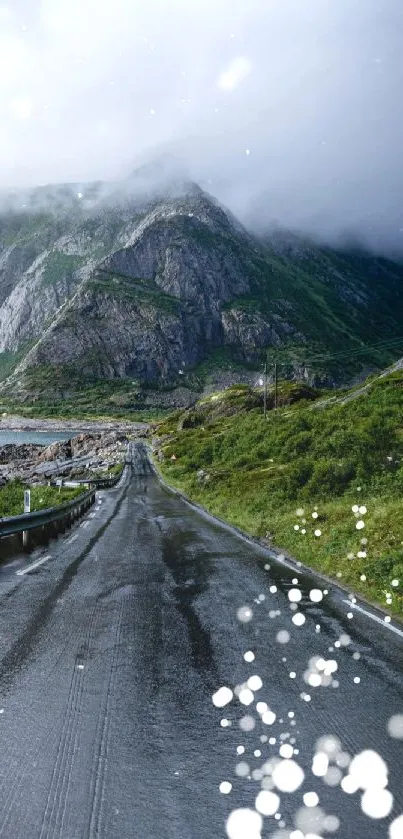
(84, 456)
(12, 422)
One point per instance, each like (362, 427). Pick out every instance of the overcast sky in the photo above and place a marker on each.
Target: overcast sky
(287, 110)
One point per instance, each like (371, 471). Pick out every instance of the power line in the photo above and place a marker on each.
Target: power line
(349, 353)
(381, 345)
(391, 343)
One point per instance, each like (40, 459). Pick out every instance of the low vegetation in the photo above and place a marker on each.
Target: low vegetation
(42, 497)
(61, 392)
(322, 482)
(115, 470)
(119, 287)
(109, 472)
(59, 266)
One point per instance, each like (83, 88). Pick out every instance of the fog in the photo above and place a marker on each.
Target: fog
(289, 111)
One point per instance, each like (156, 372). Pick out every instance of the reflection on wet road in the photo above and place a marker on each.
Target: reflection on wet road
(160, 677)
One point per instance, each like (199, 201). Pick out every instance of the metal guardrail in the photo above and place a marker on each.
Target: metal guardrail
(98, 483)
(13, 525)
(106, 483)
(30, 521)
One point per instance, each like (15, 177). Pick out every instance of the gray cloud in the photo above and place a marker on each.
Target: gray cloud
(287, 110)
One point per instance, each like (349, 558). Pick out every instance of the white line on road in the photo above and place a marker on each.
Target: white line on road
(72, 539)
(34, 565)
(84, 524)
(375, 618)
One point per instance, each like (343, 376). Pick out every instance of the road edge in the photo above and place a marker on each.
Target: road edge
(285, 559)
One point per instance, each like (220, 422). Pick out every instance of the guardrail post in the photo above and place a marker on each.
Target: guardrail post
(25, 540)
(45, 534)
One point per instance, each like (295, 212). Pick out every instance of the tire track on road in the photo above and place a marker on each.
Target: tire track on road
(62, 771)
(15, 783)
(101, 748)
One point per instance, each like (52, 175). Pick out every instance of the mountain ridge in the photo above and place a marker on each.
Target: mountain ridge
(148, 287)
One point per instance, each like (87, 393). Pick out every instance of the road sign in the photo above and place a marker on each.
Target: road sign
(27, 501)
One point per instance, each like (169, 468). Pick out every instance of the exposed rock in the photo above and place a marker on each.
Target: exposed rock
(146, 288)
(11, 452)
(250, 330)
(80, 457)
(56, 451)
(179, 397)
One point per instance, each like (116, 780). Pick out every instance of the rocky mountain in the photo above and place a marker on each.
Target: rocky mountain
(117, 283)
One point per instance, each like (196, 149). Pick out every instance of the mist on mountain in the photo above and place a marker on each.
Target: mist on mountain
(287, 112)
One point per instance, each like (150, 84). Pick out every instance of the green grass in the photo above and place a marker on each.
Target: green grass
(112, 472)
(115, 470)
(98, 413)
(9, 360)
(60, 391)
(339, 301)
(42, 497)
(59, 265)
(120, 287)
(262, 471)
(17, 227)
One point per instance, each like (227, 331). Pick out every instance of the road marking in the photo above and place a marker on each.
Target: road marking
(34, 565)
(84, 524)
(72, 539)
(92, 515)
(375, 618)
(292, 566)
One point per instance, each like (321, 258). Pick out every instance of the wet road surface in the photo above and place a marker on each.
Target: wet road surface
(112, 649)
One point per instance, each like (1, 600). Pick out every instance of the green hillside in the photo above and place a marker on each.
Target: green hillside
(339, 301)
(272, 476)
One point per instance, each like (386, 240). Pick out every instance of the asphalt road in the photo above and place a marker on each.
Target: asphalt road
(112, 649)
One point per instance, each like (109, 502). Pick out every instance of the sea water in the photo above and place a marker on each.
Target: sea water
(41, 438)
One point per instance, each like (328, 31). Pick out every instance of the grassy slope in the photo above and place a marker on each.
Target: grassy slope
(63, 393)
(19, 227)
(42, 497)
(303, 457)
(60, 265)
(323, 294)
(144, 292)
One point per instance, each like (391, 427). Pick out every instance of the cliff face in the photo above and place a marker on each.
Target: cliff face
(118, 288)
(113, 335)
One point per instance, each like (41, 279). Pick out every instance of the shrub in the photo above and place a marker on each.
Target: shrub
(330, 478)
(297, 476)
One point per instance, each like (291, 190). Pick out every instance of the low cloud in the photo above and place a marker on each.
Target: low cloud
(288, 111)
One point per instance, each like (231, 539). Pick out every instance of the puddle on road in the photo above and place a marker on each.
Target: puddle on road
(191, 572)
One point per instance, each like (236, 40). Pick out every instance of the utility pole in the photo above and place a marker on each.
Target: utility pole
(275, 386)
(265, 390)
